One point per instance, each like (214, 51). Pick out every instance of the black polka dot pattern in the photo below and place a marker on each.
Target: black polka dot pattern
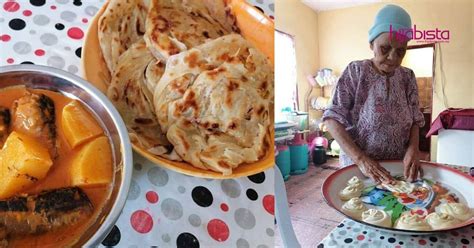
(433, 239)
(113, 238)
(465, 241)
(202, 196)
(187, 240)
(252, 194)
(320, 246)
(257, 178)
(382, 237)
(17, 24)
(77, 2)
(27, 63)
(59, 26)
(341, 225)
(391, 240)
(348, 240)
(78, 52)
(37, 3)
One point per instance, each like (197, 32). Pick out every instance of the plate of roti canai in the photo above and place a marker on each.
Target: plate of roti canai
(192, 80)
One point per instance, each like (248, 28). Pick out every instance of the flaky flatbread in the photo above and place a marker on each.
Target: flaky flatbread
(173, 26)
(130, 95)
(214, 103)
(121, 25)
(187, 85)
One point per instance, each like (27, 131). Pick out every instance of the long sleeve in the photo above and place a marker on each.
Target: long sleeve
(343, 99)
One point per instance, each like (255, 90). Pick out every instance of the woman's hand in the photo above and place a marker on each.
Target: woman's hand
(370, 168)
(412, 164)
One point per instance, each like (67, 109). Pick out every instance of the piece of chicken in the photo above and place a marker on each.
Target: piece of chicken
(34, 115)
(4, 124)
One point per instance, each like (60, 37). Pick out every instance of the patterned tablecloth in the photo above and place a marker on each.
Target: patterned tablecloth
(353, 234)
(163, 208)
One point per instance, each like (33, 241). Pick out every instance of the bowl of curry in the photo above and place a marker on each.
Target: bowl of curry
(65, 159)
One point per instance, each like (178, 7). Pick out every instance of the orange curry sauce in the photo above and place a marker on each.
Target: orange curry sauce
(58, 176)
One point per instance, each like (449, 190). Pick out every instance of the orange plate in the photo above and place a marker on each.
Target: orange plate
(254, 26)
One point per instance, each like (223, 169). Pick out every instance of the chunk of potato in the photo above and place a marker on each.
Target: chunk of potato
(92, 165)
(78, 125)
(23, 161)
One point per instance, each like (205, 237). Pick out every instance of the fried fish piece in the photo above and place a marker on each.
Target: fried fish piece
(46, 211)
(4, 124)
(3, 237)
(35, 116)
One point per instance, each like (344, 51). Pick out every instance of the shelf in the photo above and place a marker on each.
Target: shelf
(287, 137)
(279, 126)
(304, 131)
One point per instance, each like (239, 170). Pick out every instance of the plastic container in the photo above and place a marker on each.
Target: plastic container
(300, 118)
(319, 155)
(283, 161)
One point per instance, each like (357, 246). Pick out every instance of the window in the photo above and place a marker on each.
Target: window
(285, 74)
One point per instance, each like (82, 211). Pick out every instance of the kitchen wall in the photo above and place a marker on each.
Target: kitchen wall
(297, 19)
(342, 37)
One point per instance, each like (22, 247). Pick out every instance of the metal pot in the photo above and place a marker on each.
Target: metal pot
(42, 77)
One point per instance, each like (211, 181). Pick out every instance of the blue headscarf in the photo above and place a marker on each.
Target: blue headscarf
(392, 15)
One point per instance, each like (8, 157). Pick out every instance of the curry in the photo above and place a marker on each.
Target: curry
(56, 168)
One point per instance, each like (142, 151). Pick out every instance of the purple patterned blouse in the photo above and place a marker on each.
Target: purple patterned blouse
(377, 111)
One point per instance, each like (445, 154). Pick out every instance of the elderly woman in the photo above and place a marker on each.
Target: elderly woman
(374, 113)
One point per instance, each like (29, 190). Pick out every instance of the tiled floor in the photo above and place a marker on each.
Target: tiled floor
(311, 217)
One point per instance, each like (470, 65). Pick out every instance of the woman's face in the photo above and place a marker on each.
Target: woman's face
(388, 52)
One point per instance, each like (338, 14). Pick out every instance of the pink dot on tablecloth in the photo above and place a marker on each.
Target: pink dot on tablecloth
(218, 230)
(10, 61)
(360, 237)
(224, 207)
(5, 37)
(422, 242)
(152, 197)
(84, 20)
(11, 6)
(398, 246)
(141, 221)
(269, 204)
(39, 52)
(27, 12)
(53, 7)
(75, 33)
